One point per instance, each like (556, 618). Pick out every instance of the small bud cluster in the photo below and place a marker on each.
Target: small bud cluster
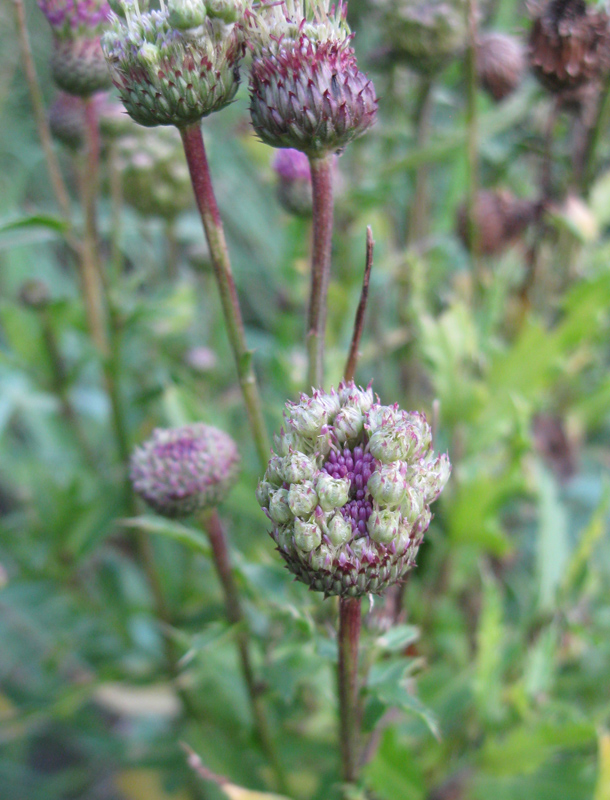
(77, 62)
(425, 35)
(306, 90)
(155, 177)
(348, 490)
(176, 65)
(180, 471)
(500, 219)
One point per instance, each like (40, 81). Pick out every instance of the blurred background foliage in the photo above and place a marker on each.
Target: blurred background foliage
(488, 676)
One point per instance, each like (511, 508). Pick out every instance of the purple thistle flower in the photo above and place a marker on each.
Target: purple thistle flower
(180, 471)
(348, 490)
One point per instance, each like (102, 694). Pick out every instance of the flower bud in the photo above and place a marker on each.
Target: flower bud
(279, 508)
(383, 525)
(185, 14)
(348, 423)
(180, 471)
(339, 530)
(388, 484)
(305, 87)
(302, 498)
(307, 535)
(501, 64)
(297, 467)
(332, 493)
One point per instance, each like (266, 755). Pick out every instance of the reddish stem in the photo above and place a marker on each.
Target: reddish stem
(349, 637)
(322, 189)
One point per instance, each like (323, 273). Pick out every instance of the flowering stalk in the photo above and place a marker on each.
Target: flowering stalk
(349, 711)
(418, 217)
(44, 134)
(322, 190)
(194, 149)
(472, 135)
(220, 553)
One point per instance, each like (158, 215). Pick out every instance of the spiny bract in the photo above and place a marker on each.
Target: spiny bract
(180, 471)
(348, 490)
(306, 91)
(176, 65)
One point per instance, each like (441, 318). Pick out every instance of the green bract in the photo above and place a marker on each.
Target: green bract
(348, 490)
(177, 65)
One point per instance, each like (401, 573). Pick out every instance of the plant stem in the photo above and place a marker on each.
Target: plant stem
(322, 189)
(90, 272)
(418, 217)
(352, 359)
(599, 126)
(220, 551)
(472, 137)
(201, 179)
(60, 385)
(116, 207)
(349, 636)
(44, 133)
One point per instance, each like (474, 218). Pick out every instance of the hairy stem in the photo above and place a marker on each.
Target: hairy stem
(349, 712)
(222, 562)
(322, 189)
(201, 179)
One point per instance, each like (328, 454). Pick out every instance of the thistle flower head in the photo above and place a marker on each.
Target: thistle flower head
(180, 471)
(425, 35)
(155, 175)
(294, 182)
(176, 65)
(75, 19)
(569, 44)
(500, 63)
(306, 90)
(77, 62)
(500, 218)
(348, 490)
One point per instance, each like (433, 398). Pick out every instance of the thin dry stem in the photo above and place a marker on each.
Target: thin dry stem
(352, 359)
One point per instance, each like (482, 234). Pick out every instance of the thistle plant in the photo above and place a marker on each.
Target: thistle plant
(348, 492)
(174, 67)
(187, 471)
(307, 93)
(77, 63)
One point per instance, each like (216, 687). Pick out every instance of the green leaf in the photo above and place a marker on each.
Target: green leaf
(553, 547)
(398, 638)
(395, 772)
(172, 530)
(34, 221)
(602, 788)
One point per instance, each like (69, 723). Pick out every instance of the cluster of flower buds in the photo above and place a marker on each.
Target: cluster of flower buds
(307, 92)
(348, 490)
(155, 177)
(501, 63)
(294, 182)
(424, 35)
(176, 65)
(569, 45)
(67, 117)
(181, 471)
(499, 219)
(77, 63)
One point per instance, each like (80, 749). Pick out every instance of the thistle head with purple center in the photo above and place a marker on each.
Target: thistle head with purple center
(306, 91)
(182, 471)
(77, 62)
(348, 490)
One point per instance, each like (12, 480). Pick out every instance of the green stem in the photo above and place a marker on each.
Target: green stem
(599, 126)
(220, 551)
(201, 179)
(418, 217)
(349, 712)
(116, 206)
(472, 137)
(40, 116)
(60, 385)
(322, 190)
